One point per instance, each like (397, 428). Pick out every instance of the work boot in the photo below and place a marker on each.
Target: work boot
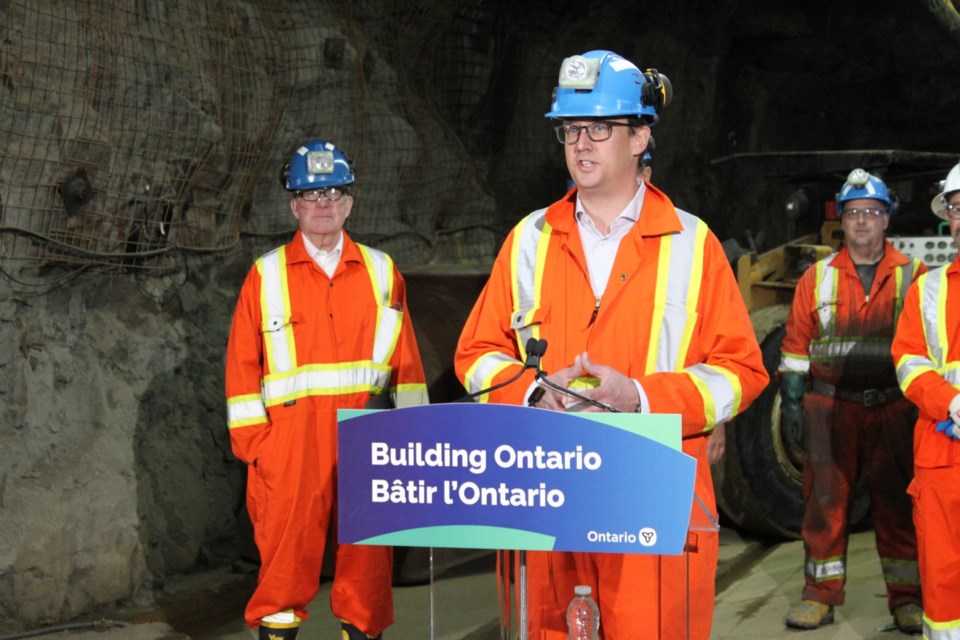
(809, 615)
(279, 630)
(909, 618)
(350, 632)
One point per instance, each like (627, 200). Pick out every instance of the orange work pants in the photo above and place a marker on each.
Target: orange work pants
(291, 489)
(841, 440)
(639, 596)
(936, 501)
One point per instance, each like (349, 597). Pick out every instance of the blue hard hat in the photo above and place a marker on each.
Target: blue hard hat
(602, 84)
(861, 184)
(315, 165)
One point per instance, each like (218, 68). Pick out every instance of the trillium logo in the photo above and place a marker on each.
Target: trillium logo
(647, 537)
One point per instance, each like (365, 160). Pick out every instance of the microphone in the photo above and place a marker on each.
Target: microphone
(534, 353)
(541, 377)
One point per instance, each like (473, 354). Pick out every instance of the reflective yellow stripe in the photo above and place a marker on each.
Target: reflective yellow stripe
(659, 303)
(278, 338)
(242, 411)
(389, 321)
(942, 322)
(528, 255)
(484, 369)
(409, 395)
(693, 293)
(325, 380)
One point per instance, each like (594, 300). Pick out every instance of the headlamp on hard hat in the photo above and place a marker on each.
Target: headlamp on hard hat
(320, 162)
(578, 72)
(858, 178)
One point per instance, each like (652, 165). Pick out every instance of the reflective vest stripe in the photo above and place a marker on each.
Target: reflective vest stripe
(380, 268)
(932, 289)
(676, 295)
(287, 380)
(826, 297)
(278, 340)
(242, 411)
(659, 307)
(325, 380)
(528, 256)
(828, 346)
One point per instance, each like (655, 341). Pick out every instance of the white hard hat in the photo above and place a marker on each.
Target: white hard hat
(951, 184)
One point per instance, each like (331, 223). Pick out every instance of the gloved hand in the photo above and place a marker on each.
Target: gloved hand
(949, 428)
(792, 388)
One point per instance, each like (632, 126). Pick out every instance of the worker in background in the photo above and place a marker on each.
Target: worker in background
(926, 351)
(321, 324)
(839, 386)
(637, 302)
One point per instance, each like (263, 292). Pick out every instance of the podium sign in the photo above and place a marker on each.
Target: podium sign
(506, 477)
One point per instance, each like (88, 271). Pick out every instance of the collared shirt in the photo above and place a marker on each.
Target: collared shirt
(601, 250)
(326, 260)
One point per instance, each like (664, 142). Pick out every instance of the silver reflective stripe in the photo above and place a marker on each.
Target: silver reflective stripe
(484, 369)
(940, 631)
(531, 240)
(721, 387)
(908, 369)
(275, 310)
(826, 300)
(677, 279)
(325, 379)
(245, 410)
(412, 395)
(794, 364)
(900, 571)
(933, 285)
(389, 321)
(832, 569)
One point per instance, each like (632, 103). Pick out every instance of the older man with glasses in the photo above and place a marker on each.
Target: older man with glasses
(321, 324)
(839, 395)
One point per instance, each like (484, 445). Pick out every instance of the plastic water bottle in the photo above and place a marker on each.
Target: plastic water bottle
(583, 616)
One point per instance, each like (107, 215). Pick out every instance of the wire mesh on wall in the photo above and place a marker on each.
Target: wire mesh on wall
(135, 131)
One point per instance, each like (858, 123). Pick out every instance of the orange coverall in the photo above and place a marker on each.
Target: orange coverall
(718, 373)
(926, 350)
(841, 336)
(284, 424)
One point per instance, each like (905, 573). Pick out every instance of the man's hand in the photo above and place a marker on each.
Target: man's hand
(954, 410)
(717, 443)
(554, 400)
(615, 389)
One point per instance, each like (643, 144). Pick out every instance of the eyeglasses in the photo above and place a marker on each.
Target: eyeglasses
(327, 194)
(596, 131)
(867, 213)
(953, 210)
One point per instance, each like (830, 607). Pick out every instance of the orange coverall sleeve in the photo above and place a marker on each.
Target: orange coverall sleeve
(488, 339)
(800, 327)
(244, 368)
